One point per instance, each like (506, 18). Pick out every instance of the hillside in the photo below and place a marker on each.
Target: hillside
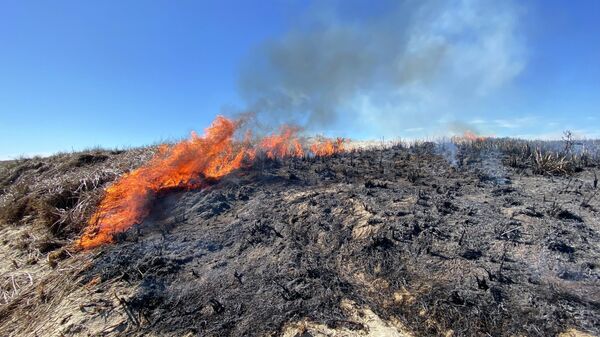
(492, 237)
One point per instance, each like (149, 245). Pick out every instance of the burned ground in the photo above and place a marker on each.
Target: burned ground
(478, 244)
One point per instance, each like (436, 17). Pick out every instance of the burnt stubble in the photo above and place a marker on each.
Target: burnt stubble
(471, 246)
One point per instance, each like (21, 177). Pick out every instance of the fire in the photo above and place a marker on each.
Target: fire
(188, 164)
(285, 144)
(328, 147)
(471, 136)
(184, 165)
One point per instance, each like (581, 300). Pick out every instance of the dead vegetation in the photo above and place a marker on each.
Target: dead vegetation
(57, 194)
(539, 157)
(44, 205)
(476, 239)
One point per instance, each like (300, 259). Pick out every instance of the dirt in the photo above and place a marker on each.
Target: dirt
(386, 241)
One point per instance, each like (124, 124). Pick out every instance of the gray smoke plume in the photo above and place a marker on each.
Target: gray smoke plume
(380, 70)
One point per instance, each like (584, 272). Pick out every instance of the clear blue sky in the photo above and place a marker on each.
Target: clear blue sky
(75, 74)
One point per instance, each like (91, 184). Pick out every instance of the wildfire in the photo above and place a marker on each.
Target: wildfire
(187, 165)
(327, 147)
(471, 136)
(284, 144)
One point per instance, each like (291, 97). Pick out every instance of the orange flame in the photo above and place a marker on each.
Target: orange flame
(185, 165)
(188, 164)
(470, 136)
(285, 144)
(328, 147)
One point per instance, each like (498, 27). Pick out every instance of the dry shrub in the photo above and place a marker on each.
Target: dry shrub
(551, 163)
(540, 157)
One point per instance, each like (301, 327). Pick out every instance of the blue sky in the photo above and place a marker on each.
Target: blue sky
(76, 74)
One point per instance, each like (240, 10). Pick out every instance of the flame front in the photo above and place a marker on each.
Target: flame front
(188, 164)
(328, 147)
(284, 144)
(470, 136)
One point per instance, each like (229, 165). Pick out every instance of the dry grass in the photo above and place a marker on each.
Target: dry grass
(49, 199)
(44, 205)
(551, 163)
(540, 157)
(56, 195)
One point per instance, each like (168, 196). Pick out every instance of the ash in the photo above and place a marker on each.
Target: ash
(483, 244)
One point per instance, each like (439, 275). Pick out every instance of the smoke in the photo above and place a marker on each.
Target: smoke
(403, 64)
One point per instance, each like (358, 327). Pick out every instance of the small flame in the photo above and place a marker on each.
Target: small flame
(284, 144)
(328, 147)
(470, 136)
(188, 164)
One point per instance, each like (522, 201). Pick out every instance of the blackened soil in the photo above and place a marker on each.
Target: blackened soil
(398, 230)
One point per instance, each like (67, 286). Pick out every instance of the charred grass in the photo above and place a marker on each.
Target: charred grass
(496, 237)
